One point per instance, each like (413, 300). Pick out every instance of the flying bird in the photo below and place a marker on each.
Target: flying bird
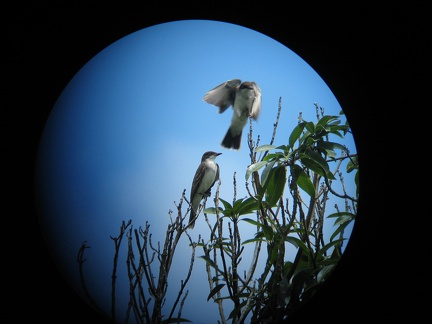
(245, 99)
(205, 177)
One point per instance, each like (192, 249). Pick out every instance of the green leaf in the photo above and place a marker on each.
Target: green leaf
(356, 180)
(324, 273)
(264, 148)
(310, 127)
(212, 210)
(237, 205)
(215, 290)
(296, 133)
(352, 164)
(334, 129)
(274, 156)
(265, 183)
(317, 164)
(247, 206)
(284, 148)
(276, 185)
(297, 243)
(325, 120)
(251, 221)
(227, 205)
(237, 310)
(252, 240)
(266, 171)
(305, 183)
(273, 254)
(211, 263)
(320, 132)
(175, 320)
(315, 156)
(339, 230)
(329, 147)
(313, 165)
(326, 247)
(342, 217)
(338, 214)
(254, 167)
(268, 232)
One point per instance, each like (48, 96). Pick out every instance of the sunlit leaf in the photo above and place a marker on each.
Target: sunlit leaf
(264, 148)
(254, 167)
(212, 210)
(266, 171)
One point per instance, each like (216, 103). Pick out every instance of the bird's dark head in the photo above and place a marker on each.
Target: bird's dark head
(246, 85)
(209, 155)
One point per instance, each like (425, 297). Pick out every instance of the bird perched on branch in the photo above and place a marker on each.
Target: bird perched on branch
(245, 99)
(205, 177)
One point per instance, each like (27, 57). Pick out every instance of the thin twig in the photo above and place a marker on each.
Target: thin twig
(81, 260)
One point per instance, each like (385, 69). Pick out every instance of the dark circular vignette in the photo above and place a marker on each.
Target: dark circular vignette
(51, 44)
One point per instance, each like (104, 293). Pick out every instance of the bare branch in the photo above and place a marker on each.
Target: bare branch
(117, 243)
(81, 260)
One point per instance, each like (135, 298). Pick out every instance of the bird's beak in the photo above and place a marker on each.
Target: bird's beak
(217, 154)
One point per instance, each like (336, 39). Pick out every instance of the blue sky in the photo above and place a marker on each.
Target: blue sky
(127, 134)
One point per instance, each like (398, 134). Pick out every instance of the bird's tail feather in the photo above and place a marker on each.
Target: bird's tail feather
(192, 219)
(231, 141)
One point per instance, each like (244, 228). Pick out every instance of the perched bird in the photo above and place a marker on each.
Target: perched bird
(205, 177)
(245, 99)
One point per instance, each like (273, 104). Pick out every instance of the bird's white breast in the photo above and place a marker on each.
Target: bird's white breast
(244, 100)
(209, 176)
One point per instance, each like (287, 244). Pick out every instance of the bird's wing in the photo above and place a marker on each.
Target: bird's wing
(255, 109)
(197, 181)
(217, 174)
(223, 95)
